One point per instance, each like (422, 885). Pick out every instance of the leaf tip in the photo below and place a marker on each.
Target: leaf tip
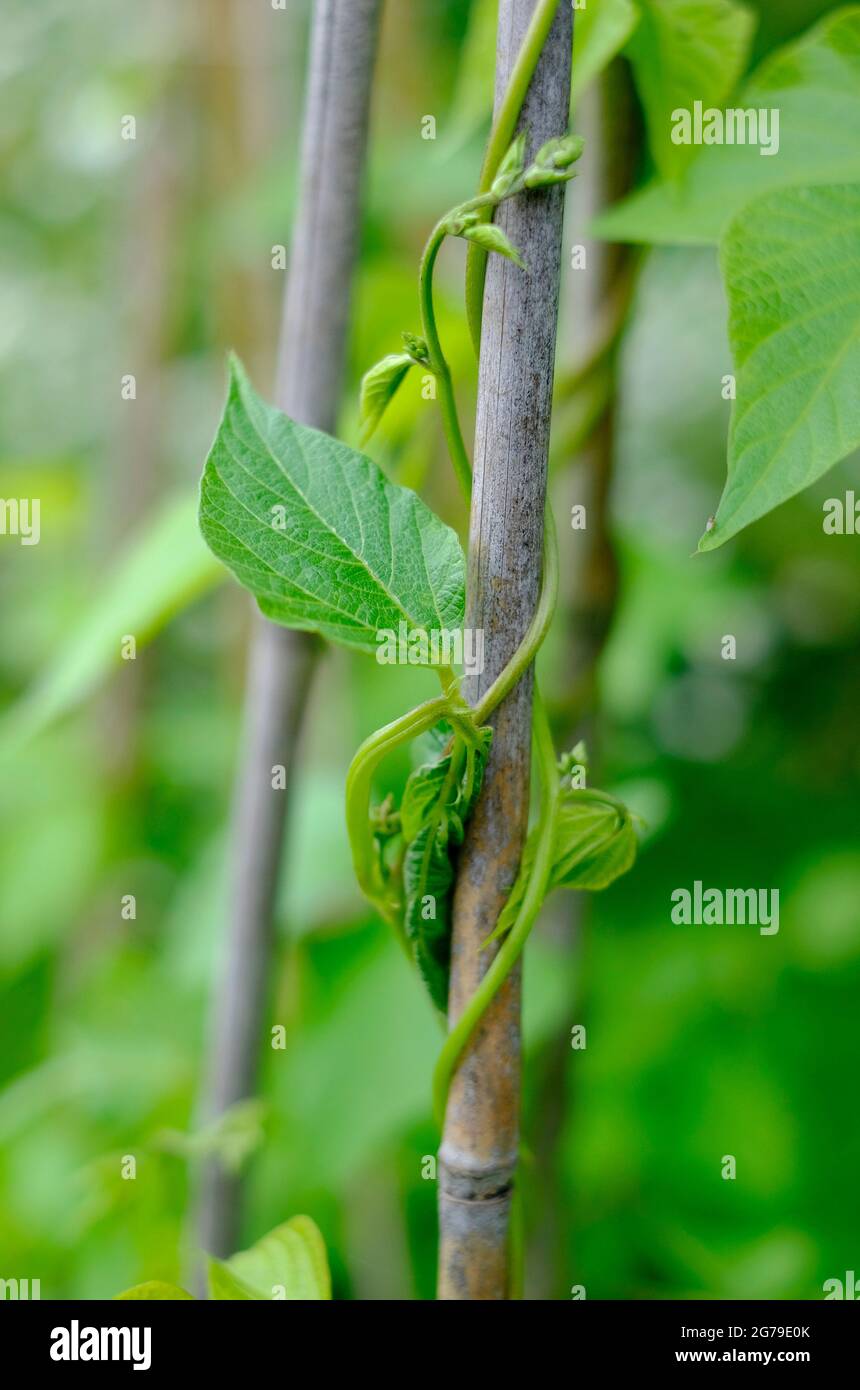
(709, 539)
(237, 375)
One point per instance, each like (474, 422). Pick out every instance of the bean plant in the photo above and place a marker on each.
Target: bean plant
(326, 543)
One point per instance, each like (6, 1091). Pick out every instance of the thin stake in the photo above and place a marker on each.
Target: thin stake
(478, 1157)
(309, 380)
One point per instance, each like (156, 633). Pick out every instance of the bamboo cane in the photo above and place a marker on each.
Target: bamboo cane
(309, 378)
(478, 1157)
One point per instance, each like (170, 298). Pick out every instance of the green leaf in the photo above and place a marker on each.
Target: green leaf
(490, 237)
(421, 795)
(161, 570)
(433, 816)
(515, 156)
(156, 1292)
(322, 539)
(428, 878)
(511, 167)
(225, 1286)
(791, 263)
(559, 152)
(595, 843)
(599, 32)
(378, 385)
(289, 1263)
(814, 83)
(685, 51)
(552, 162)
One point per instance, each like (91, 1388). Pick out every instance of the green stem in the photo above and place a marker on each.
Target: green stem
(458, 713)
(537, 630)
(514, 942)
(504, 128)
(448, 680)
(358, 789)
(438, 363)
(538, 882)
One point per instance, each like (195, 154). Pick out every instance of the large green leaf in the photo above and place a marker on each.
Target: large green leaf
(289, 1263)
(685, 51)
(317, 533)
(163, 568)
(791, 263)
(814, 83)
(599, 32)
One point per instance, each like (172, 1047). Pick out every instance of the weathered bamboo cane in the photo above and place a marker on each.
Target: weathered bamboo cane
(310, 372)
(478, 1157)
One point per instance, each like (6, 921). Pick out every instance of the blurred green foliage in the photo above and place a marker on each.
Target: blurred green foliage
(153, 257)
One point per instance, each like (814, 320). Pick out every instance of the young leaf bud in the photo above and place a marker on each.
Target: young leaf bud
(552, 162)
(560, 152)
(378, 385)
(417, 349)
(459, 223)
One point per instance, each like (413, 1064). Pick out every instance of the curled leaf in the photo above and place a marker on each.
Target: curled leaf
(436, 805)
(378, 385)
(428, 877)
(552, 162)
(560, 152)
(595, 843)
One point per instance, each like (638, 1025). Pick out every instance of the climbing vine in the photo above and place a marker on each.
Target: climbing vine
(324, 541)
(582, 838)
